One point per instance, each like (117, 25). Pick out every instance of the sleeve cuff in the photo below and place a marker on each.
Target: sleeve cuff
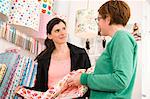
(83, 79)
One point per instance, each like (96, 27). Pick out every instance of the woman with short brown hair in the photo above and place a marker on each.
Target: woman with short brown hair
(115, 69)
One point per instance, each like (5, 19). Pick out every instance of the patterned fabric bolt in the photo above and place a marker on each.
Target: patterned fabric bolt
(3, 69)
(9, 59)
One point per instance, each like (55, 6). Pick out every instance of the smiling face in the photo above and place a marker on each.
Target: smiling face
(59, 33)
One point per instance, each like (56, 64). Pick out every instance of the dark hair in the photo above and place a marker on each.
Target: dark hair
(118, 11)
(49, 43)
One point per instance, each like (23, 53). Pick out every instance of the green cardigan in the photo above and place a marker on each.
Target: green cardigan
(115, 70)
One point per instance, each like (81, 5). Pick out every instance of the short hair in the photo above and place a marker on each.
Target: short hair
(118, 11)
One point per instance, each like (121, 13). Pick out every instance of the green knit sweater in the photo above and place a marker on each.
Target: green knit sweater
(115, 70)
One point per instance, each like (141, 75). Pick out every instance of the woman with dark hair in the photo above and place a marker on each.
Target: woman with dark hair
(59, 57)
(115, 69)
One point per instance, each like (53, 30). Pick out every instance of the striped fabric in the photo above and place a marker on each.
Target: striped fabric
(15, 70)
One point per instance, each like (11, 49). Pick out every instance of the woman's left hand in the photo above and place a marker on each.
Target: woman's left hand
(74, 80)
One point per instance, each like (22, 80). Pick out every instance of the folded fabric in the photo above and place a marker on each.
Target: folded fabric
(74, 92)
(70, 92)
(3, 69)
(30, 94)
(57, 91)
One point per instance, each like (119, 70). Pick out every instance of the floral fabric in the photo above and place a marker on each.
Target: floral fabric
(57, 91)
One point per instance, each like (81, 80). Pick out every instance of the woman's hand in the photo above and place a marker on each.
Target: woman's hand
(74, 80)
(65, 87)
(18, 88)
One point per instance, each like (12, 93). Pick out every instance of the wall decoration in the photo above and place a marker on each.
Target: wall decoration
(46, 6)
(86, 25)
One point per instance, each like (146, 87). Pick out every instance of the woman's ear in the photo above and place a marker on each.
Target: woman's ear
(49, 36)
(108, 19)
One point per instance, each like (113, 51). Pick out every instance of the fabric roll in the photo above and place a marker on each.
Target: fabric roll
(9, 59)
(33, 77)
(3, 69)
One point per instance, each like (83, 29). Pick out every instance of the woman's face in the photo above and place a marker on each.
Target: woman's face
(103, 25)
(59, 33)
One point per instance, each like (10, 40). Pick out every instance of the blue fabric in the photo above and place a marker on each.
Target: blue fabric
(33, 77)
(30, 72)
(25, 72)
(25, 83)
(11, 79)
(10, 60)
(18, 76)
(19, 70)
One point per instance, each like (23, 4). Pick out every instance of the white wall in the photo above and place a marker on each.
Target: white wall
(146, 53)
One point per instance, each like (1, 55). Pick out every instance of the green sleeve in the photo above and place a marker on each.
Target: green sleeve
(122, 63)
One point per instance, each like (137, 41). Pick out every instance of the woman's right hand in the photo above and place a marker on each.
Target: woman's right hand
(18, 88)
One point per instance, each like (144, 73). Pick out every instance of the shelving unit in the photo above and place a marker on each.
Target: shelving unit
(26, 42)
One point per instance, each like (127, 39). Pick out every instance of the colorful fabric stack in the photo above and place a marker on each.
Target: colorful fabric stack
(10, 60)
(2, 28)
(26, 42)
(17, 67)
